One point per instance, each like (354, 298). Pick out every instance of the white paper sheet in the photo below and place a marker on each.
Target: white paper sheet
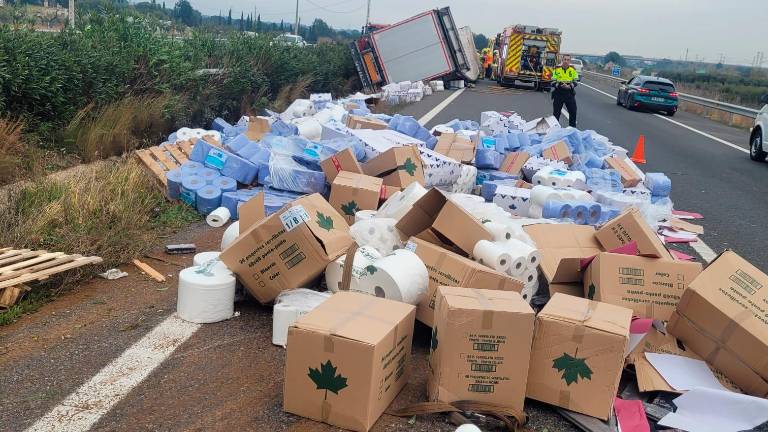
(679, 234)
(734, 411)
(684, 373)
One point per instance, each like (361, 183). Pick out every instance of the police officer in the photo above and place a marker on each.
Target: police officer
(564, 93)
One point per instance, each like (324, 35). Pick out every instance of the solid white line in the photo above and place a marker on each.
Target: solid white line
(83, 408)
(441, 106)
(705, 252)
(712, 137)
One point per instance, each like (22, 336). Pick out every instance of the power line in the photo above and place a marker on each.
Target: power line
(325, 8)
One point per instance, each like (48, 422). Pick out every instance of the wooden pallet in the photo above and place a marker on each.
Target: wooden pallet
(160, 160)
(21, 266)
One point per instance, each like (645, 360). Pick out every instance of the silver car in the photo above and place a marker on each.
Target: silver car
(757, 138)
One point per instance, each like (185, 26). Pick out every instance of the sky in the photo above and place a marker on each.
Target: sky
(735, 29)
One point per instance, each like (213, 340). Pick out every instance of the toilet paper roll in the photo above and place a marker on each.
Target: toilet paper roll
(400, 203)
(226, 184)
(399, 276)
(202, 258)
(580, 214)
(191, 168)
(535, 211)
(189, 187)
(530, 290)
(230, 234)
(173, 179)
(362, 266)
(208, 199)
(218, 217)
(378, 233)
(517, 266)
(530, 254)
(499, 231)
(364, 215)
(492, 255)
(530, 276)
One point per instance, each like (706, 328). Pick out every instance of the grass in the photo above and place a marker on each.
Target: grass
(31, 302)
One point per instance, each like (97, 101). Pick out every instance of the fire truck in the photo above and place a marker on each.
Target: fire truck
(528, 54)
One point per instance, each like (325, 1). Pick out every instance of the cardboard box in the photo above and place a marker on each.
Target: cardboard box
(387, 192)
(352, 192)
(562, 248)
(578, 354)
(289, 248)
(358, 122)
(450, 269)
(376, 142)
(348, 359)
(342, 161)
(722, 318)
(481, 346)
(456, 147)
(399, 166)
(434, 211)
(629, 178)
(628, 227)
(651, 287)
(514, 161)
(558, 152)
(257, 128)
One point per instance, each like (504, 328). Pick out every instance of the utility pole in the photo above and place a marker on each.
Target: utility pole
(296, 29)
(72, 13)
(686, 54)
(368, 15)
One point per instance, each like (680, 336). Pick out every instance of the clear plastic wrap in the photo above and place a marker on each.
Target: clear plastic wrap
(378, 233)
(287, 174)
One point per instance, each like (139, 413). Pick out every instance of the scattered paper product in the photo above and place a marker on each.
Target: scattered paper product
(355, 224)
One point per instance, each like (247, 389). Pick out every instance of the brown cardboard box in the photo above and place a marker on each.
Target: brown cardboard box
(481, 346)
(434, 211)
(387, 192)
(456, 147)
(358, 122)
(399, 166)
(578, 354)
(448, 268)
(352, 192)
(257, 128)
(651, 287)
(342, 161)
(559, 152)
(514, 161)
(289, 248)
(348, 359)
(629, 178)
(630, 226)
(562, 247)
(722, 318)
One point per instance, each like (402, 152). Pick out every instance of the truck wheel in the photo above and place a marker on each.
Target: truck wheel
(756, 152)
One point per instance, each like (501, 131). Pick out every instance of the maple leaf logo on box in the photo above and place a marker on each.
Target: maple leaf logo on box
(591, 291)
(350, 208)
(324, 222)
(408, 167)
(326, 378)
(572, 368)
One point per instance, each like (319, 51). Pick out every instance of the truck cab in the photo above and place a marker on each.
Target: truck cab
(529, 55)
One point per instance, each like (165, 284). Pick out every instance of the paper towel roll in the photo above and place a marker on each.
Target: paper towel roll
(399, 276)
(205, 297)
(499, 231)
(378, 233)
(530, 290)
(191, 168)
(218, 217)
(595, 214)
(230, 234)
(519, 248)
(580, 214)
(517, 266)
(365, 256)
(364, 215)
(208, 199)
(173, 179)
(189, 187)
(203, 257)
(492, 255)
(530, 276)
(209, 175)
(226, 184)
(557, 210)
(400, 203)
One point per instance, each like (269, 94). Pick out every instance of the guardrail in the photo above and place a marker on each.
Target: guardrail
(709, 103)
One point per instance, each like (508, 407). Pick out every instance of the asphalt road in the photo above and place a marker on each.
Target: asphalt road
(228, 376)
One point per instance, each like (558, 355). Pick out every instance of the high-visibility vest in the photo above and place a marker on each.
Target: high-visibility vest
(565, 76)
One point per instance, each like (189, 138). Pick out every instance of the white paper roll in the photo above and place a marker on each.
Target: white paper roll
(283, 316)
(290, 306)
(364, 259)
(230, 234)
(378, 233)
(530, 276)
(530, 290)
(517, 267)
(400, 276)
(530, 254)
(364, 215)
(492, 255)
(205, 297)
(399, 203)
(218, 217)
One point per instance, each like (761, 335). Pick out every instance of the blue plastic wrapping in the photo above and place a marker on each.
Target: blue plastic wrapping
(191, 167)
(595, 213)
(489, 143)
(408, 125)
(606, 180)
(173, 179)
(208, 199)
(659, 184)
(236, 144)
(608, 214)
(338, 144)
(488, 158)
(251, 149)
(263, 176)
(209, 174)
(557, 210)
(285, 145)
(458, 125)
(281, 128)
(172, 138)
(233, 131)
(488, 188)
(286, 174)
(580, 214)
(229, 164)
(226, 184)
(484, 175)
(219, 124)
(189, 187)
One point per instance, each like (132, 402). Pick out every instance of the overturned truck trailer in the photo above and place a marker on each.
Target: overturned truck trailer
(424, 47)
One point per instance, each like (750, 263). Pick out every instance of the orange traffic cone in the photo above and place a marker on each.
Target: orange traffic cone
(638, 156)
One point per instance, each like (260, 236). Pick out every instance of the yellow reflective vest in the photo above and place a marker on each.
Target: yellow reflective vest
(565, 76)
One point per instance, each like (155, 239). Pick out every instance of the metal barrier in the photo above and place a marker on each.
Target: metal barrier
(709, 103)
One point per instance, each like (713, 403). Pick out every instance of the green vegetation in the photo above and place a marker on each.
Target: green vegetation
(616, 58)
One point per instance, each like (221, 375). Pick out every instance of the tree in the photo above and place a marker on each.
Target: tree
(242, 19)
(184, 12)
(229, 18)
(258, 23)
(615, 57)
(281, 26)
(481, 41)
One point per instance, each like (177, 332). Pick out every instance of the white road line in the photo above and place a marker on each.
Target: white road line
(441, 106)
(712, 137)
(83, 408)
(705, 252)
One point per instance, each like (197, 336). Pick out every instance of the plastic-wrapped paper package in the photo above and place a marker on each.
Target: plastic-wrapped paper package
(488, 188)
(486, 158)
(401, 202)
(378, 233)
(619, 200)
(309, 128)
(515, 201)
(536, 163)
(282, 128)
(238, 143)
(438, 168)
(332, 129)
(219, 124)
(287, 174)
(466, 181)
(209, 174)
(232, 200)
(542, 194)
(208, 199)
(549, 176)
(173, 180)
(191, 168)
(659, 184)
(289, 306)
(376, 142)
(336, 145)
(485, 175)
(297, 109)
(608, 180)
(228, 164)
(639, 191)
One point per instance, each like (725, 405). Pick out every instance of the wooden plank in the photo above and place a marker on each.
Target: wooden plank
(165, 163)
(50, 271)
(176, 153)
(20, 257)
(4, 250)
(153, 166)
(186, 147)
(11, 295)
(13, 252)
(28, 263)
(38, 267)
(146, 268)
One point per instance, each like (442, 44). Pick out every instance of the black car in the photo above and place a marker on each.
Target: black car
(647, 92)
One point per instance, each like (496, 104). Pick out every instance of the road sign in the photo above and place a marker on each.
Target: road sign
(616, 71)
